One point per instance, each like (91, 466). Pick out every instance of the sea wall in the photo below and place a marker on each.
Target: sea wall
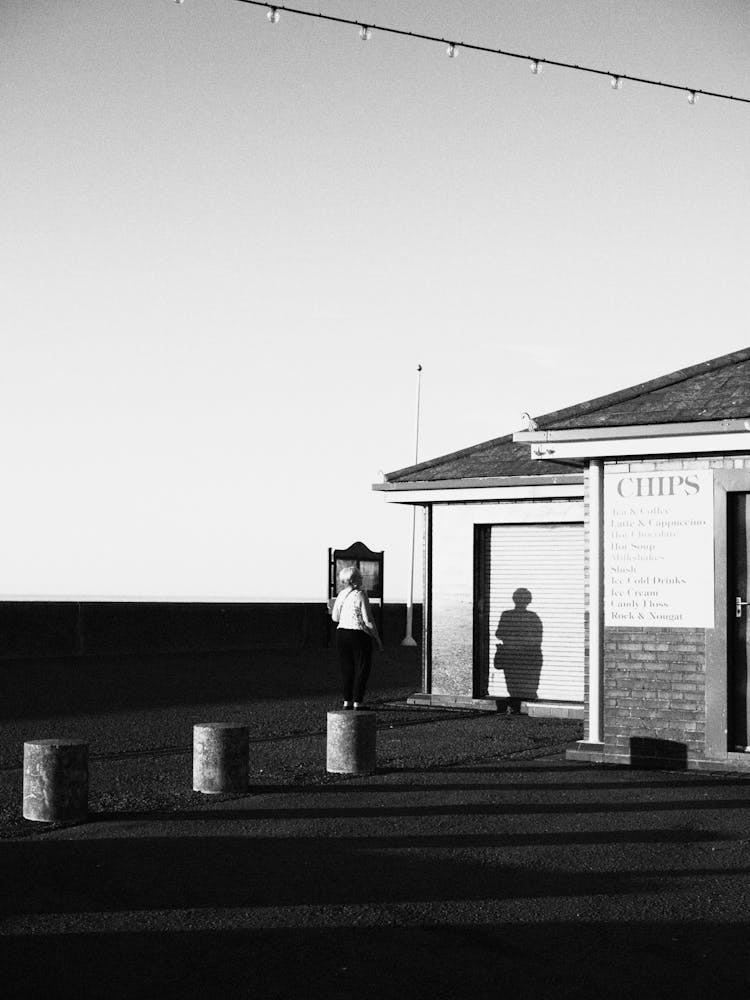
(41, 629)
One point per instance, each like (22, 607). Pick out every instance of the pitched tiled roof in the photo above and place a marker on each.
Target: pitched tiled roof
(713, 390)
(500, 457)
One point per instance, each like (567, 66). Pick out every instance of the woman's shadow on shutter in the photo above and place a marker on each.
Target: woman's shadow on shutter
(519, 649)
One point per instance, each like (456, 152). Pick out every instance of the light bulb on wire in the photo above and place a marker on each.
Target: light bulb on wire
(179, 1)
(536, 65)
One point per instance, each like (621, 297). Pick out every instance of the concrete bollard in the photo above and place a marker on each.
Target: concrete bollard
(351, 742)
(220, 757)
(55, 780)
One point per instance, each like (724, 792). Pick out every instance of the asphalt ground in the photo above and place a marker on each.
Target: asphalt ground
(475, 862)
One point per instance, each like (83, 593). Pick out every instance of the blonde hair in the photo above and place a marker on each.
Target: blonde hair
(351, 576)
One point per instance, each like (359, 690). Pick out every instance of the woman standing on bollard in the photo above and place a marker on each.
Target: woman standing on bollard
(354, 635)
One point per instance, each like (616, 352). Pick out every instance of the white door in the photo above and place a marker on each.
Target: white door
(536, 609)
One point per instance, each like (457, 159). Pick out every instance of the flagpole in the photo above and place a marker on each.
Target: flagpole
(408, 639)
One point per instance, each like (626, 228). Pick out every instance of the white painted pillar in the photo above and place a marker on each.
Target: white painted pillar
(596, 606)
(409, 639)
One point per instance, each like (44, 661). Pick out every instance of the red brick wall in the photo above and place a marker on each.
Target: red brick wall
(654, 690)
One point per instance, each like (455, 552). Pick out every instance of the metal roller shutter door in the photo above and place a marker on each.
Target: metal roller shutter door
(542, 645)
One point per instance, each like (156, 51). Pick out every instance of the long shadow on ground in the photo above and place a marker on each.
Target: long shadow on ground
(545, 959)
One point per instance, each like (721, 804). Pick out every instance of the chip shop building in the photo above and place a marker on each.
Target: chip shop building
(595, 565)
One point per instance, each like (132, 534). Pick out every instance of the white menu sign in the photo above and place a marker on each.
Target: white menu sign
(659, 549)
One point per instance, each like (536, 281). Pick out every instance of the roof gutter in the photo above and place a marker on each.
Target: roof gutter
(493, 482)
(695, 427)
(695, 438)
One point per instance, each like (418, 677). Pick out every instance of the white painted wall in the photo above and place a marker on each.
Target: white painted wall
(453, 579)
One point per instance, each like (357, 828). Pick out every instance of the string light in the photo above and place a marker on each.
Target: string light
(535, 64)
(365, 33)
(616, 83)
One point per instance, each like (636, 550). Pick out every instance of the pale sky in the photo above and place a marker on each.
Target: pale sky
(226, 245)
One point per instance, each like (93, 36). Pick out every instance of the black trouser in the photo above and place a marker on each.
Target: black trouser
(355, 658)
